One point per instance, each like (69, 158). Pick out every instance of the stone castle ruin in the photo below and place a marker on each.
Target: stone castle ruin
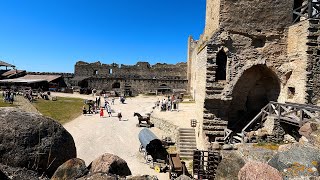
(131, 79)
(252, 52)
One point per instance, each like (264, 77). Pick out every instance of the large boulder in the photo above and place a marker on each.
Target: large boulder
(142, 177)
(73, 168)
(183, 177)
(229, 166)
(110, 164)
(307, 129)
(3, 176)
(98, 176)
(257, 170)
(33, 141)
(18, 173)
(297, 161)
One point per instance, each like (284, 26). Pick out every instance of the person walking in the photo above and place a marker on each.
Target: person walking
(101, 112)
(119, 115)
(109, 110)
(112, 102)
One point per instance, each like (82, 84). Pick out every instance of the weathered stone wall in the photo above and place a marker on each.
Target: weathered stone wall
(294, 70)
(250, 16)
(136, 85)
(141, 70)
(212, 18)
(266, 59)
(198, 86)
(313, 63)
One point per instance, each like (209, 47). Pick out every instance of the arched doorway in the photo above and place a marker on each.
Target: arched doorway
(116, 85)
(256, 87)
(222, 65)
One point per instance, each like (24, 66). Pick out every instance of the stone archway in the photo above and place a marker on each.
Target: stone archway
(255, 88)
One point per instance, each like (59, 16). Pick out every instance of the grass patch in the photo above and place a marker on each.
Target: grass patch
(5, 104)
(62, 110)
(271, 146)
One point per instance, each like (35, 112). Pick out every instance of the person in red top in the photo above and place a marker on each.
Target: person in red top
(101, 112)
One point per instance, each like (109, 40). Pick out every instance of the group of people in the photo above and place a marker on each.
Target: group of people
(93, 107)
(169, 103)
(8, 96)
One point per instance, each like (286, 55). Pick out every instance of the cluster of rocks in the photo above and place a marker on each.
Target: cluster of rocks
(294, 160)
(36, 147)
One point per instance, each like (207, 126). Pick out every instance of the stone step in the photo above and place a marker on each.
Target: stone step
(214, 133)
(213, 92)
(187, 137)
(212, 86)
(186, 154)
(188, 146)
(208, 116)
(181, 146)
(186, 129)
(187, 140)
(215, 122)
(186, 150)
(222, 128)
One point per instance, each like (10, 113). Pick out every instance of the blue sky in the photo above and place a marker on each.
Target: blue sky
(51, 35)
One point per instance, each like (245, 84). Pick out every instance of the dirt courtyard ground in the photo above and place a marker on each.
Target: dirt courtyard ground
(95, 136)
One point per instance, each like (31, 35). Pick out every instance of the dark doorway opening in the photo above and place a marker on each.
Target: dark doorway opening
(116, 85)
(255, 89)
(222, 65)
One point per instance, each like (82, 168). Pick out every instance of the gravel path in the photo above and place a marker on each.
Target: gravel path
(95, 136)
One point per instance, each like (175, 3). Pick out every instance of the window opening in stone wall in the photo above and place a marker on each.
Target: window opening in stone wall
(116, 85)
(110, 71)
(222, 65)
(95, 72)
(287, 76)
(291, 92)
(258, 42)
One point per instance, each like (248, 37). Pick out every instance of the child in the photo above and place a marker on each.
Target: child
(101, 112)
(109, 110)
(119, 115)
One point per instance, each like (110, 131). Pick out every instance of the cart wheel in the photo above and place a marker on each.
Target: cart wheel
(157, 169)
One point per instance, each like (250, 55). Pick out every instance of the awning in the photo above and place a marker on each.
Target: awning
(32, 79)
(18, 80)
(2, 63)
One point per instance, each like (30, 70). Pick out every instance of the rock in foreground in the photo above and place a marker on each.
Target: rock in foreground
(33, 141)
(110, 164)
(72, 169)
(257, 170)
(297, 161)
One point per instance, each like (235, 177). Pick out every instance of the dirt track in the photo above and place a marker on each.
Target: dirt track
(95, 136)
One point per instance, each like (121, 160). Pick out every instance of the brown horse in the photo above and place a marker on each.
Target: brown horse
(142, 118)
